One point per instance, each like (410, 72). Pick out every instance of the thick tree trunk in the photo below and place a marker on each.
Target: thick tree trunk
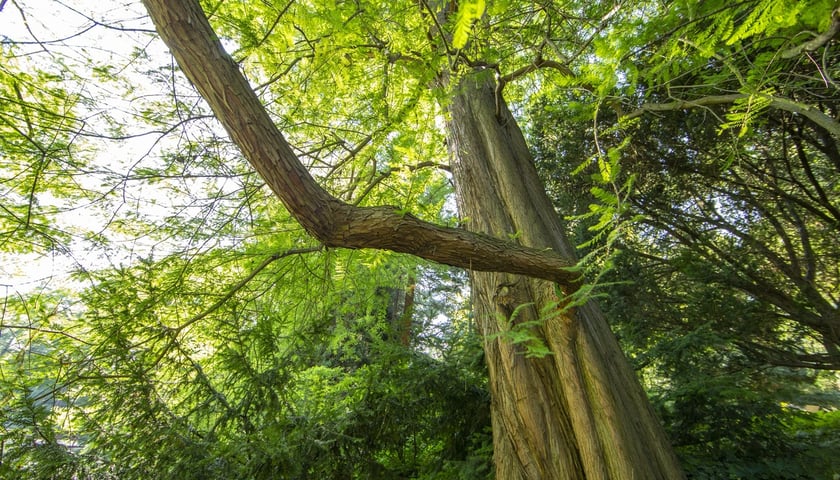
(579, 412)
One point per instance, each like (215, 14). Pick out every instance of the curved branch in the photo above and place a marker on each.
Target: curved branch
(819, 40)
(183, 26)
(787, 358)
(780, 103)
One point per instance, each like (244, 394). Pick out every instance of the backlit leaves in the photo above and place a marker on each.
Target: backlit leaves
(469, 11)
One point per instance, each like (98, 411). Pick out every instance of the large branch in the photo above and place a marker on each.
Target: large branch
(807, 111)
(183, 26)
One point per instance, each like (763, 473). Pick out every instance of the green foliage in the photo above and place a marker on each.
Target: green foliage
(469, 12)
(728, 414)
(524, 333)
(745, 110)
(717, 219)
(36, 151)
(221, 343)
(767, 18)
(723, 433)
(166, 381)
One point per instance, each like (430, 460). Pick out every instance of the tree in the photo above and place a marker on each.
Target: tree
(735, 188)
(757, 173)
(244, 347)
(579, 412)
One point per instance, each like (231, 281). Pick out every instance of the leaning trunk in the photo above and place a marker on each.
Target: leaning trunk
(580, 411)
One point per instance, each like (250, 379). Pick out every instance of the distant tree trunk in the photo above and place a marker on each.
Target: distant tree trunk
(407, 317)
(399, 312)
(579, 412)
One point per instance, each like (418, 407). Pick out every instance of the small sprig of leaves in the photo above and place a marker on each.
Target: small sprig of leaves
(523, 333)
(468, 12)
(612, 210)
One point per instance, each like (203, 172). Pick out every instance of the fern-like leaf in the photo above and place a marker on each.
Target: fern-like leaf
(468, 12)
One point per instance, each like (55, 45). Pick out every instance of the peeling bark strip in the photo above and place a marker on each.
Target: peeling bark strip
(184, 28)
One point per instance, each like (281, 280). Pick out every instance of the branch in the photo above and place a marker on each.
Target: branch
(387, 173)
(536, 65)
(819, 40)
(44, 330)
(806, 111)
(784, 358)
(184, 28)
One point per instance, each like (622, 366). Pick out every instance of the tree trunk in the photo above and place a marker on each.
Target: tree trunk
(579, 412)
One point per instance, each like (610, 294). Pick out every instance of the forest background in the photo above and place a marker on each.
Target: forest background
(165, 316)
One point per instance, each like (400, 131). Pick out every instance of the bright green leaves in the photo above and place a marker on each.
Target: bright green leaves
(740, 47)
(469, 11)
(609, 167)
(612, 190)
(37, 128)
(526, 334)
(818, 16)
(179, 369)
(349, 84)
(745, 110)
(37, 347)
(767, 18)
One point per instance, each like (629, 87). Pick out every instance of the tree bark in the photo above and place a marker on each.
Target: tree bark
(579, 412)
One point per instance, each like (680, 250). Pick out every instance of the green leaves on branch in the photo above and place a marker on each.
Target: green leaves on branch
(612, 194)
(524, 326)
(745, 110)
(468, 12)
(767, 18)
(37, 129)
(525, 333)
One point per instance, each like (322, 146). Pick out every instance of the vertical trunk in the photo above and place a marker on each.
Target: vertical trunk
(408, 312)
(400, 312)
(579, 412)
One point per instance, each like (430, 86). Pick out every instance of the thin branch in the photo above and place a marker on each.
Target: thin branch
(387, 173)
(240, 284)
(536, 65)
(806, 111)
(784, 358)
(50, 331)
